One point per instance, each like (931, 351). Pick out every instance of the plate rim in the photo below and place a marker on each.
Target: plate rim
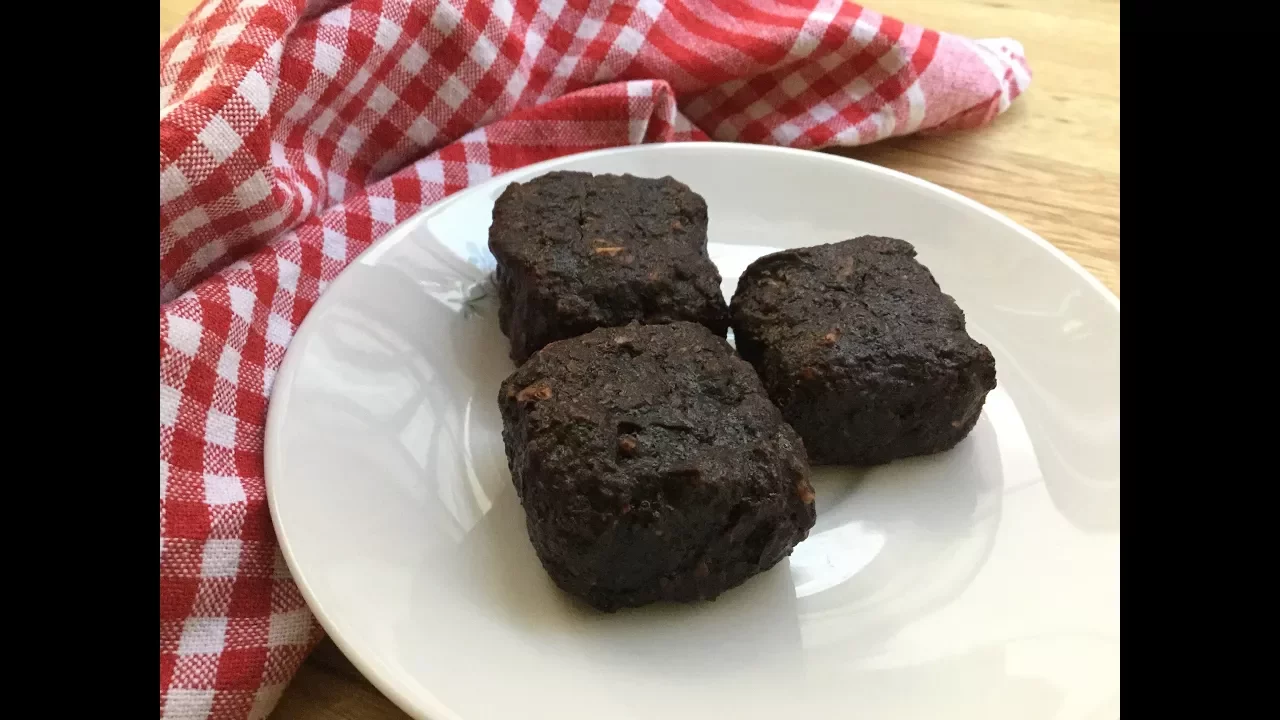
(426, 705)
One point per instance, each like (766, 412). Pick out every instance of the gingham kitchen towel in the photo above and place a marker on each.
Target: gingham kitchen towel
(294, 133)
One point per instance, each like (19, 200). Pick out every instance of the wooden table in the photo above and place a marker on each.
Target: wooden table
(1052, 163)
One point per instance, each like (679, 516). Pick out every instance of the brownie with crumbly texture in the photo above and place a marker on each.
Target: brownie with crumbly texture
(861, 350)
(578, 251)
(651, 465)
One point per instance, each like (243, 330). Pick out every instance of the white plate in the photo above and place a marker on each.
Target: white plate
(981, 583)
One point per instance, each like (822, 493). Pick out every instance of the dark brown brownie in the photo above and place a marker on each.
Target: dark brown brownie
(652, 466)
(577, 251)
(866, 356)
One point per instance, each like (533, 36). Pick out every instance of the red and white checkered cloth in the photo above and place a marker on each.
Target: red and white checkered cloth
(293, 133)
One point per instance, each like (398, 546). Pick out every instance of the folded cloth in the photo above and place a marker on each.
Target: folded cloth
(294, 133)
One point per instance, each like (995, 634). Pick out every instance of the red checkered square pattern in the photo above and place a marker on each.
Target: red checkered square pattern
(294, 133)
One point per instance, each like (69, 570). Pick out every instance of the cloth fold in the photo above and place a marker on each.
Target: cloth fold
(294, 133)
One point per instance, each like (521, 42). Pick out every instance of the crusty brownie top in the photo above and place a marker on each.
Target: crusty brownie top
(605, 230)
(862, 299)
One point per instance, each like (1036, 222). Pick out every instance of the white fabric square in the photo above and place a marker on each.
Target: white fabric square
(202, 636)
(183, 335)
(219, 138)
(223, 490)
(221, 558)
(290, 628)
(220, 429)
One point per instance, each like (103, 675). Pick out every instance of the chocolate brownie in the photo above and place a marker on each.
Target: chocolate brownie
(652, 466)
(865, 355)
(578, 251)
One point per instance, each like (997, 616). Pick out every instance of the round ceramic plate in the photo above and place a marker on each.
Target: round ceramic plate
(982, 583)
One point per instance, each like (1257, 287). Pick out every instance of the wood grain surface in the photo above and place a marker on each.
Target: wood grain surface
(1052, 163)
